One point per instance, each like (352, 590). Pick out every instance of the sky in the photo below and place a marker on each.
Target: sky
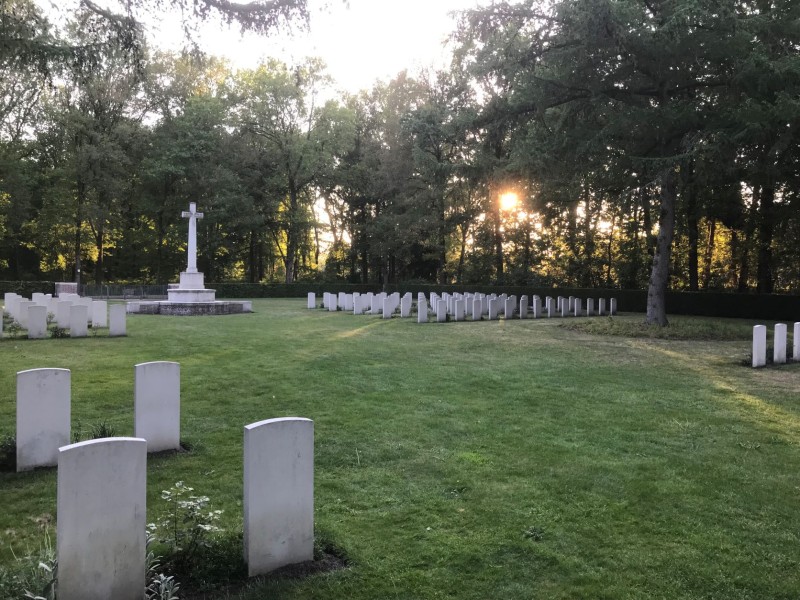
(360, 40)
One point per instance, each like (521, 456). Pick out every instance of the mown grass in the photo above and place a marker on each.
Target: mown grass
(469, 460)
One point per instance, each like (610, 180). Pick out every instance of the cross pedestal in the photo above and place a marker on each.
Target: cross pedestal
(192, 286)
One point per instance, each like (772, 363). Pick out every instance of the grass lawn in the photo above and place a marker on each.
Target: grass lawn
(468, 460)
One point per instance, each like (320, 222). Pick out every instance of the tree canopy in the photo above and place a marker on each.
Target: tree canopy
(635, 143)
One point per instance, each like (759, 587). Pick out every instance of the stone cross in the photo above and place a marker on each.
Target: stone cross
(192, 215)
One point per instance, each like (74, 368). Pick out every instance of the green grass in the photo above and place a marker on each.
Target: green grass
(469, 460)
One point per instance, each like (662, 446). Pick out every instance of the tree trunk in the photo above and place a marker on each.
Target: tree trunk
(81, 197)
(766, 228)
(659, 275)
(750, 225)
(709, 253)
(694, 237)
(291, 235)
(99, 239)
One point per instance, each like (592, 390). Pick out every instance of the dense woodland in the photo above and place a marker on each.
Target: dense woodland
(651, 143)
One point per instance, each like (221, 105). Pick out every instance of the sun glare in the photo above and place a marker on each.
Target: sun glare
(509, 201)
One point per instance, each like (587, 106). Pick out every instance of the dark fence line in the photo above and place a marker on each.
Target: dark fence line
(771, 307)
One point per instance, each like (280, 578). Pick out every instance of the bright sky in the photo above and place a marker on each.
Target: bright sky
(360, 40)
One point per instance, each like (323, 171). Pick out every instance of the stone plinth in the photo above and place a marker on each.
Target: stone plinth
(187, 309)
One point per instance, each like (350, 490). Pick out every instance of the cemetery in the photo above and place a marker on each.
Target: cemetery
(500, 302)
(519, 454)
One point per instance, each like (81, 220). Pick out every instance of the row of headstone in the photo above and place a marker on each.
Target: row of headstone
(460, 307)
(778, 344)
(102, 508)
(70, 311)
(44, 408)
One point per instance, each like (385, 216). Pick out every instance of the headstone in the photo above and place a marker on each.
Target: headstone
(387, 308)
(43, 416)
(601, 306)
(422, 309)
(537, 307)
(342, 300)
(63, 313)
(37, 322)
(312, 300)
(78, 320)
(477, 308)
(759, 346)
(460, 309)
(796, 344)
(509, 306)
(549, 307)
(348, 302)
(441, 311)
(576, 305)
(117, 326)
(612, 307)
(278, 501)
(332, 304)
(358, 308)
(779, 344)
(405, 306)
(22, 312)
(571, 301)
(493, 305)
(564, 308)
(560, 303)
(589, 307)
(523, 307)
(99, 313)
(101, 519)
(157, 405)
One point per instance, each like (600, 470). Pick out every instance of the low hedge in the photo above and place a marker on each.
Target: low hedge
(27, 288)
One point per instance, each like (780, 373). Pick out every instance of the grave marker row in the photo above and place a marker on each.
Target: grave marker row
(759, 355)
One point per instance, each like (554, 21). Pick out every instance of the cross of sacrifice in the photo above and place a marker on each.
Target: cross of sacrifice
(192, 215)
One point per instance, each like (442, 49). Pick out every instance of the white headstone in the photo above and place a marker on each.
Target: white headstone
(523, 307)
(571, 300)
(477, 308)
(157, 405)
(601, 306)
(422, 309)
(576, 305)
(99, 313)
(63, 313)
(460, 306)
(312, 300)
(612, 307)
(387, 308)
(537, 307)
(348, 302)
(509, 306)
(564, 308)
(589, 307)
(332, 303)
(796, 344)
(22, 312)
(43, 416)
(358, 308)
(37, 321)
(779, 344)
(78, 320)
(117, 326)
(441, 311)
(101, 516)
(405, 306)
(759, 345)
(278, 498)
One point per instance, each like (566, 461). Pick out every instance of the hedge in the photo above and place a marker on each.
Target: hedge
(27, 288)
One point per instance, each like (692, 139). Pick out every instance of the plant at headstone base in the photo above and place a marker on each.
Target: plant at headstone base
(37, 571)
(103, 429)
(50, 318)
(157, 585)
(8, 453)
(187, 526)
(59, 332)
(14, 328)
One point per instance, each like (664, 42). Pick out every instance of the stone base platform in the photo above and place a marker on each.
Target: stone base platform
(190, 309)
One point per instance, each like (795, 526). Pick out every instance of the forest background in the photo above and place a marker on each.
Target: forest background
(597, 143)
